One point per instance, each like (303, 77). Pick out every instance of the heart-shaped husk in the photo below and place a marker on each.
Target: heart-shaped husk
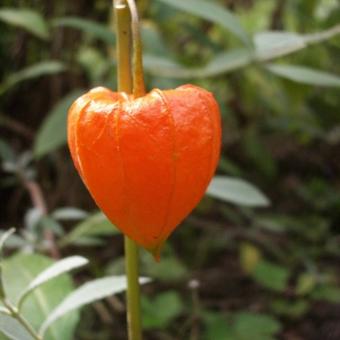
(147, 161)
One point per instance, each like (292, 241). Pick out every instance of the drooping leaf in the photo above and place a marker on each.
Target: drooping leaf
(62, 266)
(18, 272)
(34, 71)
(13, 329)
(304, 75)
(274, 44)
(220, 64)
(95, 225)
(268, 46)
(89, 292)
(27, 19)
(226, 62)
(90, 27)
(236, 191)
(52, 133)
(212, 12)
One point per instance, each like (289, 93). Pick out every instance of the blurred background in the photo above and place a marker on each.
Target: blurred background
(259, 257)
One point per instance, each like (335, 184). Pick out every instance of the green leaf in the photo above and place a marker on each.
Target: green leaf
(274, 44)
(6, 235)
(52, 133)
(271, 44)
(159, 312)
(69, 213)
(95, 225)
(90, 27)
(27, 19)
(290, 308)
(250, 256)
(220, 64)
(18, 272)
(89, 292)
(305, 283)
(226, 62)
(260, 326)
(236, 191)
(13, 329)
(268, 45)
(94, 62)
(216, 327)
(152, 40)
(330, 293)
(212, 12)
(56, 269)
(160, 270)
(304, 75)
(271, 276)
(164, 67)
(15, 241)
(34, 71)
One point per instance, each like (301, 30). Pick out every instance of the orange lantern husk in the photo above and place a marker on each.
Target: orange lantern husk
(147, 161)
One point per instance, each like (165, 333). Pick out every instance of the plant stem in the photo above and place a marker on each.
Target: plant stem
(133, 291)
(138, 71)
(16, 315)
(123, 36)
(123, 46)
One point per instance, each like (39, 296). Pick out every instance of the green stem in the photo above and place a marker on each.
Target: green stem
(123, 45)
(16, 315)
(133, 291)
(138, 71)
(123, 29)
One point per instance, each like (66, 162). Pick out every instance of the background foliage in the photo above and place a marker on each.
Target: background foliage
(247, 261)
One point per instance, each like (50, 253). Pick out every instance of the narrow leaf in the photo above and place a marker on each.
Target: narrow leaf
(13, 329)
(52, 133)
(164, 67)
(15, 241)
(56, 269)
(212, 12)
(274, 44)
(69, 213)
(31, 72)
(304, 75)
(95, 225)
(4, 237)
(93, 28)
(220, 64)
(89, 292)
(18, 272)
(236, 191)
(27, 19)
